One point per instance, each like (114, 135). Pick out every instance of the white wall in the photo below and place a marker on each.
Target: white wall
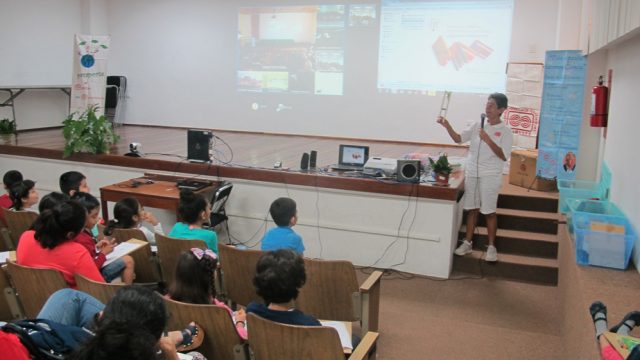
(180, 58)
(622, 137)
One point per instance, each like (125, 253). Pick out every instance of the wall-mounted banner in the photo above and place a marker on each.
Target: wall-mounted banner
(89, 72)
(561, 114)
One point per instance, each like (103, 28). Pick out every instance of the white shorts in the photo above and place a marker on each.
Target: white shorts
(482, 193)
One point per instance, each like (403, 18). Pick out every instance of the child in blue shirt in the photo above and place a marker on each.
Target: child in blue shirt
(285, 214)
(194, 211)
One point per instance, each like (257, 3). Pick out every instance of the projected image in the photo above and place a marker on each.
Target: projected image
(291, 49)
(444, 45)
(362, 15)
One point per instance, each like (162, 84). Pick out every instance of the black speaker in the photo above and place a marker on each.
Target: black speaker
(312, 159)
(408, 171)
(304, 161)
(198, 145)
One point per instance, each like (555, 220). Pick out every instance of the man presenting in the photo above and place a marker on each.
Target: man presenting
(490, 147)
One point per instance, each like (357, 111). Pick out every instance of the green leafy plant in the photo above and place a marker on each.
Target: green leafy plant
(7, 126)
(441, 166)
(88, 133)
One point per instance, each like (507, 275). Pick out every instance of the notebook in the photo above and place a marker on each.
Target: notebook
(352, 157)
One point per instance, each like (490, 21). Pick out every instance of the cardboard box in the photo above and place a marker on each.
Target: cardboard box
(522, 171)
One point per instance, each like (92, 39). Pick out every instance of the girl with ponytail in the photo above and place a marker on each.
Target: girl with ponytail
(49, 244)
(194, 211)
(23, 195)
(129, 214)
(194, 283)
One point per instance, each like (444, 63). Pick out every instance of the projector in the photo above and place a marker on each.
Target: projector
(379, 166)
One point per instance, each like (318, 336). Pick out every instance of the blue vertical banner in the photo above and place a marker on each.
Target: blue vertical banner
(561, 114)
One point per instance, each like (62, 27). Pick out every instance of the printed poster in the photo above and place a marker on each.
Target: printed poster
(88, 85)
(561, 114)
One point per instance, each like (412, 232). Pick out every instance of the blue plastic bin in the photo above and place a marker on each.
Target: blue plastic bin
(601, 248)
(604, 207)
(584, 189)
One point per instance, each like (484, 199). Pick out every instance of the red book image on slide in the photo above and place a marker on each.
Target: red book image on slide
(481, 49)
(459, 53)
(441, 50)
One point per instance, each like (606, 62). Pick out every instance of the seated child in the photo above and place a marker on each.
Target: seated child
(129, 214)
(279, 276)
(23, 195)
(285, 215)
(10, 177)
(194, 211)
(123, 266)
(72, 182)
(194, 283)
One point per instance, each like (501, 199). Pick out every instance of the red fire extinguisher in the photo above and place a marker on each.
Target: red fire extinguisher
(599, 100)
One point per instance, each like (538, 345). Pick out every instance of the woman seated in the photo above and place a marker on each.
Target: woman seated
(279, 276)
(50, 244)
(129, 214)
(194, 211)
(194, 283)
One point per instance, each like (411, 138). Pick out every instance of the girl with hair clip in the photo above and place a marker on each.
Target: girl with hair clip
(194, 283)
(129, 214)
(23, 195)
(131, 327)
(50, 243)
(194, 211)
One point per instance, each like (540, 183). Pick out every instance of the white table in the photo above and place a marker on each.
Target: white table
(15, 91)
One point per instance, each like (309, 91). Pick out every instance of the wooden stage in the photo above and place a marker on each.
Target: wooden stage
(243, 155)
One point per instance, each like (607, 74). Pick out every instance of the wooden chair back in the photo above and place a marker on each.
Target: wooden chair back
(270, 340)
(34, 286)
(9, 308)
(146, 264)
(17, 223)
(238, 269)
(101, 291)
(221, 341)
(122, 235)
(169, 250)
(332, 292)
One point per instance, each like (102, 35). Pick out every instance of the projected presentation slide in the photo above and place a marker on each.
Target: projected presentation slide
(460, 46)
(296, 49)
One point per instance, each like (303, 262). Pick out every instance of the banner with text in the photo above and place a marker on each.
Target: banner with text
(561, 114)
(89, 73)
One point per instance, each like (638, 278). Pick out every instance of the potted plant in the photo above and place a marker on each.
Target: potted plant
(441, 169)
(7, 126)
(88, 132)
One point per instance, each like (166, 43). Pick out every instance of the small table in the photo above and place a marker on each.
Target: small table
(15, 91)
(161, 192)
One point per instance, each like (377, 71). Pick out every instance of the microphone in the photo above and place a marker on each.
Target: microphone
(482, 117)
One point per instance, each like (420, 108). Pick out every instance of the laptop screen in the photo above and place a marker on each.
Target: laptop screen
(353, 155)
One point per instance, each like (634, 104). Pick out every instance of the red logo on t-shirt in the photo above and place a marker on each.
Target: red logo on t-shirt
(498, 133)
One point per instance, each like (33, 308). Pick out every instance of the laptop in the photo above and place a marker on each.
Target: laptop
(351, 158)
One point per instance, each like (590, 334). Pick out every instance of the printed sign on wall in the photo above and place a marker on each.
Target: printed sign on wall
(561, 114)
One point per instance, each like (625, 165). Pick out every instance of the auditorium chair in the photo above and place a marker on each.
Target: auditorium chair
(238, 268)
(34, 286)
(270, 340)
(221, 338)
(332, 292)
(147, 263)
(218, 202)
(99, 290)
(9, 306)
(169, 250)
(116, 94)
(17, 223)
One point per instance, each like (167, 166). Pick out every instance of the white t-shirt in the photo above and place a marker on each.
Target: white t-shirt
(482, 161)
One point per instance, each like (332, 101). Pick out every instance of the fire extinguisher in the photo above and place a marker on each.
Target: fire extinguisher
(599, 100)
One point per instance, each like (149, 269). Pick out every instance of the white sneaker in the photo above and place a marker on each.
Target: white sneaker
(492, 254)
(464, 248)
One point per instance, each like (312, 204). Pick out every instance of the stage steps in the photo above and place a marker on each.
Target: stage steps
(527, 242)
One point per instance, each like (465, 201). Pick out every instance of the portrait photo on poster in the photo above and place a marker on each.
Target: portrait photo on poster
(569, 162)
